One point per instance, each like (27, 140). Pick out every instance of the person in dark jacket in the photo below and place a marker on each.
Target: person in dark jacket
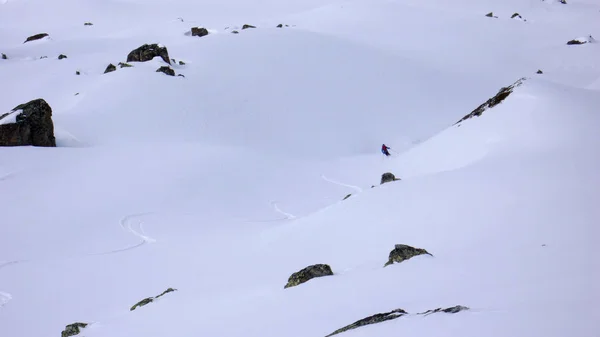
(384, 150)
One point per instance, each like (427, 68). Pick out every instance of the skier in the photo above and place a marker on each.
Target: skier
(384, 150)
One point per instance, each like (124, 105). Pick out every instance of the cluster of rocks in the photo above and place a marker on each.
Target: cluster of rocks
(148, 300)
(145, 53)
(514, 16)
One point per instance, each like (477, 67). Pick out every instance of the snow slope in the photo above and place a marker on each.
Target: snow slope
(224, 182)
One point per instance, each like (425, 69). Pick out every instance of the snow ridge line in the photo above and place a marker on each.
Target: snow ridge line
(4, 298)
(358, 189)
(278, 210)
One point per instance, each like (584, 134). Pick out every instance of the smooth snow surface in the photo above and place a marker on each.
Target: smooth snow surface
(223, 183)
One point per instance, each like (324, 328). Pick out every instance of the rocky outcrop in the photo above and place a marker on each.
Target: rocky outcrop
(36, 37)
(62, 56)
(308, 273)
(386, 316)
(502, 94)
(451, 310)
(166, 70)
(576, 41)
(377, 318)
(247, 26)
(148, 52)
(199, 31)
(4, 57)
(403, 253)
(28, 124)
(110, 68)
(73, 329)
(124, 65)
(148, 300)
(388, 177)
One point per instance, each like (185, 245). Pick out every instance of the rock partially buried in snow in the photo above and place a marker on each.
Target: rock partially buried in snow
(28, 124)
(110, 68)
(4, 57)
(73, 329)
(247, 26)
(451, 310)
(199, 31)
(539, 71)
(388, 177)
(148, 300)
(374, 319)
(166, 70)
(403, 253)
(125, 65)
(88, 24)
(491, 15)
(62, 56)
(308, 273)
(348, 196)
(36, 37)
(502, 94)
(147, 52)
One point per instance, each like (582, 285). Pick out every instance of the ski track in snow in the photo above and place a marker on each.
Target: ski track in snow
(288, 216)
(358, 189)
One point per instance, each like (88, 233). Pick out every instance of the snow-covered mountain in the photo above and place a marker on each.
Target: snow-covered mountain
(200, 195)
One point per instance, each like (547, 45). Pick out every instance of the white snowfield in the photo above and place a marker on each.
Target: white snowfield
(223, 183)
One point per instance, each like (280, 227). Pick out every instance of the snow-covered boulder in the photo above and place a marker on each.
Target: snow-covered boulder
(73, 329)
(388, 177)
(308, 273)
(36, 37)
(199, 31)
(28, 124)
(502, 94)
(148, 52)
(582, 40)
(404, 252)
(166, 70)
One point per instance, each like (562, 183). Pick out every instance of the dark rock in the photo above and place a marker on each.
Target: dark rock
(516, 15)
(564, 2)
(181, 63)
(575, 42)
(4, 57)
(451, 310)
(166, 70)
(111, 67)
(32, 125)
(234, 32)
(539, 71)
(88, 24)
(502, 94)
(62, 56)
(142, 303)
(247, 26)
(148, 52)
(388, 177)
(404, 252)
(377, 318)
(148, 300)
(73, 329)
(77, 72)
(125, 65)
(181, 75)
(280, 25)
(36, 37)
(310, 272)
(76, 93)
(491, 15)
(348, 196)
(199, 31)
(43, 57)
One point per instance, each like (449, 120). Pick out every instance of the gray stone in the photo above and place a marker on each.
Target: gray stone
(4, 57)
(33, 125)
(199, 31)
(348, 196)
(308, 273)
(147, 52)
(576, 42)
(404, 252)
(502, 94)
(62, 56)
(73, 329)
(88, 24)
(36, 37)
(377, 318)
(166, 70)
(110, 68)
(388, 177)
(247, 26)
(124, 65)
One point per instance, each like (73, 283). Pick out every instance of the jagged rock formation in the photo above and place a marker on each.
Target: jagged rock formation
(28, 124)
(148, 52)
(404, 252)
(166, 70)
(36, 37)
(148, 300)
(73, 329)
(502, 94)
(308, 273)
